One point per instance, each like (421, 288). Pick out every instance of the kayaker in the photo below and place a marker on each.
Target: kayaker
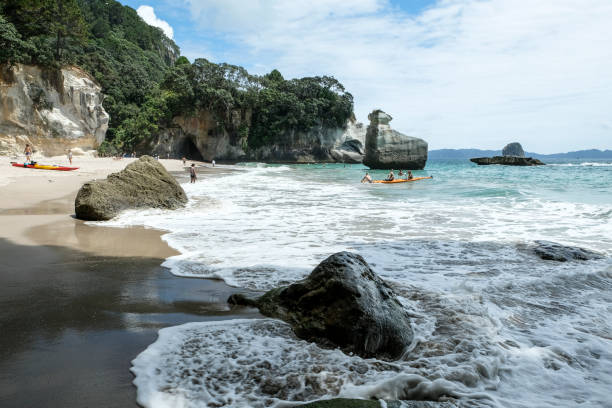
(400, 174)
(28, 153)
(192, 173)
(367, 178)
(409, 175)
(390, 176)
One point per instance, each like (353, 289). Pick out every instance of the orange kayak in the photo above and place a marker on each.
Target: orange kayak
(401, 180)
(43, 166)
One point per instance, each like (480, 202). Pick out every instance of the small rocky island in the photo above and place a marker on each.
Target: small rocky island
(512, 155)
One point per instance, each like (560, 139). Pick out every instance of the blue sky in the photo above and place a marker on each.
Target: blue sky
(458, 73)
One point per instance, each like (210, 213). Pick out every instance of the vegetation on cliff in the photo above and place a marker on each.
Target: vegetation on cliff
(144, 83)
(124, 54)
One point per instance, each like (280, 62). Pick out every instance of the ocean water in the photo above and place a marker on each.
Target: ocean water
(495, 325)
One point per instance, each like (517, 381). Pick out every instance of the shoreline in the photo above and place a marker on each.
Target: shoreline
(79, 302)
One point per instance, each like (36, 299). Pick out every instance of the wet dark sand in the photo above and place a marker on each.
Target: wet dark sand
(71, 322)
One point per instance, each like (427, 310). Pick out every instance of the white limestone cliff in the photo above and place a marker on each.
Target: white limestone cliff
(53, 110)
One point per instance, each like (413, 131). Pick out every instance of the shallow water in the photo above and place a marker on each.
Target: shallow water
(496, 326)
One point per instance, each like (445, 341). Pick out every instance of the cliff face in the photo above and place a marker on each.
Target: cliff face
(53, 110)
(201, 136)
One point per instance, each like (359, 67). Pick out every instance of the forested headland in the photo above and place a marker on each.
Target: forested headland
(147, 83)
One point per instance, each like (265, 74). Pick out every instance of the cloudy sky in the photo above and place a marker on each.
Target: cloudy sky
(458, 73)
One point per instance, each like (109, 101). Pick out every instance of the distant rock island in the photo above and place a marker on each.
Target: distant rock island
(512, 155)
(450, 154)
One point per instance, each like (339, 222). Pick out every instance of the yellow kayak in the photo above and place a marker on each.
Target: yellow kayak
(401, 180)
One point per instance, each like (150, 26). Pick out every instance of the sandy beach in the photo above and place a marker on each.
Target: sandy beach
(37, 207)
(79, 302)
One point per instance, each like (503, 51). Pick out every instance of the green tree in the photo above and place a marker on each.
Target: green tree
(12, 48)
(61, 20)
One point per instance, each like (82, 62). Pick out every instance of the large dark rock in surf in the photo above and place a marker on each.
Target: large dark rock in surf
(142, 184)
(556, 252)
(513, 149)
(389, 149)
(507, 161)
(342, 303)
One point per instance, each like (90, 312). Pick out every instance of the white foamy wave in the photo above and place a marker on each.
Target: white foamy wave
(260, 363)
(583, 164)
(268, 226)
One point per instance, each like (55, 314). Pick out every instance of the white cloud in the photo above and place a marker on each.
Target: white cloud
(462, 73)
(147, 13)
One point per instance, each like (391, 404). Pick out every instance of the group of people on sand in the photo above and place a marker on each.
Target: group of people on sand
(390, 177)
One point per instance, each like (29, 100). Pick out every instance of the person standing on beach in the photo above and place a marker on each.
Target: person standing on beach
(28, 153)
(192, 173)
(70, 156)
(213, 162)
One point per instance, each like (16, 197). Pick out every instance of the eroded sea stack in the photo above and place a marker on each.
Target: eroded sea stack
(344, 304)
(389, 149)
(142, 184)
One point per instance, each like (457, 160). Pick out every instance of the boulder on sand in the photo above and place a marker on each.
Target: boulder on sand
(342, 303)
(142, 184)
(389, 149)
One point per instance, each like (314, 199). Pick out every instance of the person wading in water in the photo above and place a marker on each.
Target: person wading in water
(192, 173)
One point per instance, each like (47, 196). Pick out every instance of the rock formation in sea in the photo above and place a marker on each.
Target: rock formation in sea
(389, 149)
(52, 109)
(513, 155)
(513, 149)
(551, 251)
(507, 161)
(142, 184)
(342, 303)
(203, 136)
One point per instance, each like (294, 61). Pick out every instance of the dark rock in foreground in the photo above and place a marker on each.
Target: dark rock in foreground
(389, 149)
(142, 184)
(513, 149)
(342, 303)
(552, 251)
(507, 161)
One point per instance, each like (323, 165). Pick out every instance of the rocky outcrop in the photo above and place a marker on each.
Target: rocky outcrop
(53, 110)
(203, 136)
(552, 251)
(142, 184)
(342, 303)
(386, 148)
(513, 149)
(507, 161)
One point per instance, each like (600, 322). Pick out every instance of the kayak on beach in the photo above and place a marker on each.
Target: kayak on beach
(401, 180)
(42, 166)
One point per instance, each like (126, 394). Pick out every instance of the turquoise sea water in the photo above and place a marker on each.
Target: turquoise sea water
(495, 325)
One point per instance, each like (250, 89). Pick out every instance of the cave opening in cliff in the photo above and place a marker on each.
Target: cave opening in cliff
(189, 150)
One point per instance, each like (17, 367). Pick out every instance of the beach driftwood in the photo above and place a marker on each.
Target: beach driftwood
(142, 184)
(344, 304)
